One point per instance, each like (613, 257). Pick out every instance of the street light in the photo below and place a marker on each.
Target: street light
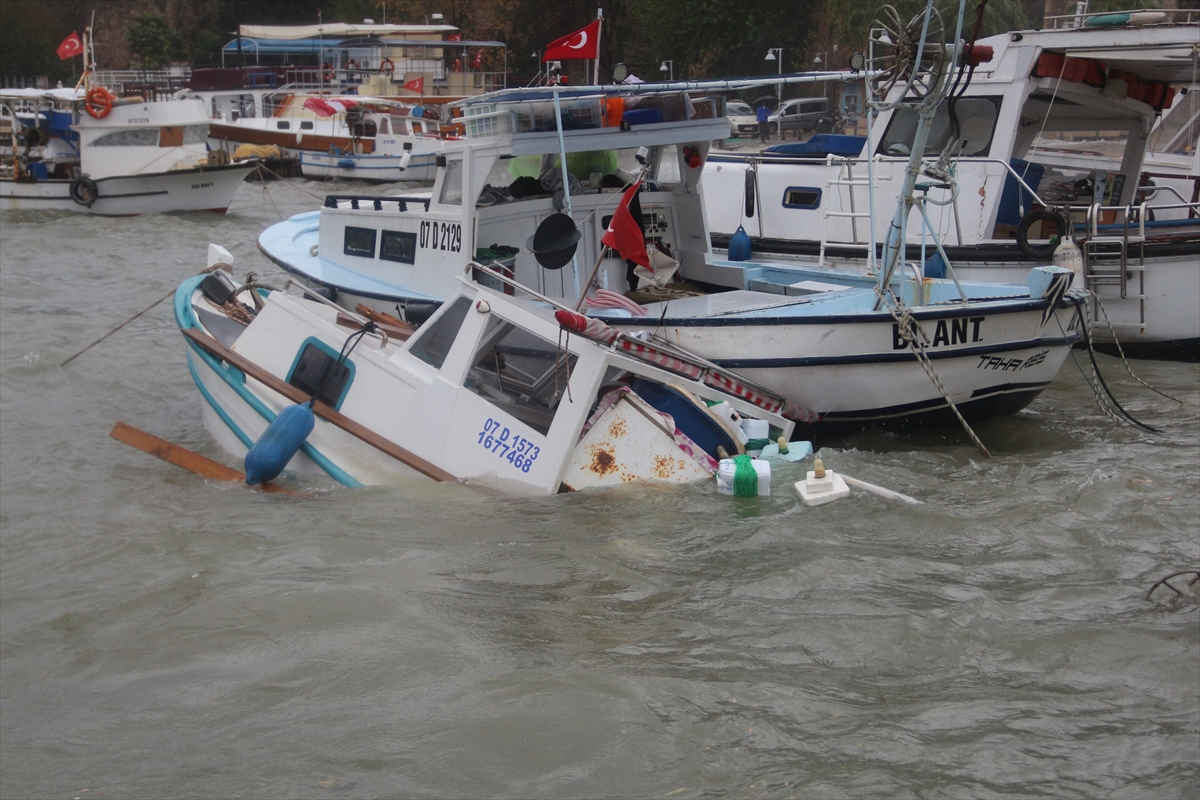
(668, 66)
(537, 54)
(819, 61)
(772, 57)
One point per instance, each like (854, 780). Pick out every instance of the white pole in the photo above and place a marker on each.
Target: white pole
(599, 30)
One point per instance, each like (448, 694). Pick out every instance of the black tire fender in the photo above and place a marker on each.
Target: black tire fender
(1042, 252)
(84, 191)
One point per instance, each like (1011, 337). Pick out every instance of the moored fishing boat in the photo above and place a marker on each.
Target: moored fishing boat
(1055, 123)
(897, 348)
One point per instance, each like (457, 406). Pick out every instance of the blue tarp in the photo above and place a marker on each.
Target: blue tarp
(823, 144)
(280, 46)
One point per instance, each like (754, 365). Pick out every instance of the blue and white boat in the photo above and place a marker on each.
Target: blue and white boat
(895, 348)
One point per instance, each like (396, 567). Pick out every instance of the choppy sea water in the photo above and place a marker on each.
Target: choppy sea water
(166, 636)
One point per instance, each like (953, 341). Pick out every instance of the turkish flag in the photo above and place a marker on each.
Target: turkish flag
(71, 46)
(416, 85)
(580, 44)
(624, 234)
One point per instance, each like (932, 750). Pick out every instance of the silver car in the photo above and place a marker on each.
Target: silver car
(800, 114)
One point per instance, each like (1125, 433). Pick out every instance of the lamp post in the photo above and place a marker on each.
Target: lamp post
(771, 56)
(668, 66)
(537, 55)
(819, 62)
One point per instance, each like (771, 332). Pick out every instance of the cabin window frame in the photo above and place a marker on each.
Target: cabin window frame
(348, 365)
(408, 236)
(352, 229)
(807, 206)
(937, 135)
(433, 333)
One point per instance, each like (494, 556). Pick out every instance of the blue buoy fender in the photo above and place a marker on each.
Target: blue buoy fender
(279, 442)
(739, 245)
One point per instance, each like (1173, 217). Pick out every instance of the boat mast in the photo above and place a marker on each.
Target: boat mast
(893, 248)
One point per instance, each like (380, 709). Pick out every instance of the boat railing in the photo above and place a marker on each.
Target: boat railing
(1178, 16)
(365, 202)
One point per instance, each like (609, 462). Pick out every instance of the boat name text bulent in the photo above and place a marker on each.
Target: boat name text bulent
(948, 332)
(441, 236)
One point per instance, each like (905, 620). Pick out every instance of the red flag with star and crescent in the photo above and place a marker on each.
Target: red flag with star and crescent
(416, 85)
(71, 46)
(580, 44)
(623, 234)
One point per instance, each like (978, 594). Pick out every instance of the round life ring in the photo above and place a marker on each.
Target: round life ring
(99, 103)
(84, 191)
(387, 66)
(1042, 252)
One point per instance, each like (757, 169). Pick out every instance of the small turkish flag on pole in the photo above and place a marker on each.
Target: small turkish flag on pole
(71, 46)
(624, 234)
(417, 85)
(580, 44)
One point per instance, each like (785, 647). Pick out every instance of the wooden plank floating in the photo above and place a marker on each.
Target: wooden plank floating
(390, 448)
(182, 457)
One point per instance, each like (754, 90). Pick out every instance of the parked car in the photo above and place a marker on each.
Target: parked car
(741, 119)
(798, 115)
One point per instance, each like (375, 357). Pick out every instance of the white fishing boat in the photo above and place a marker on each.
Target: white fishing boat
(375, 139)
(493, 390)
(1055, 123)
(897, 348)
(86, 150)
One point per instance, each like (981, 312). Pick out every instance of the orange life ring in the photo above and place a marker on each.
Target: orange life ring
(387, 66)
(99, 103)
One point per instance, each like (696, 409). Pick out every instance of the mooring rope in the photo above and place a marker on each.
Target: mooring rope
(908, 327)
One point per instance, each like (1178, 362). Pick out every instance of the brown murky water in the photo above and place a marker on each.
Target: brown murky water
(164, 636)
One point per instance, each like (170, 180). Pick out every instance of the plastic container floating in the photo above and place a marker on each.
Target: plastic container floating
(821, 486)
(728, 467)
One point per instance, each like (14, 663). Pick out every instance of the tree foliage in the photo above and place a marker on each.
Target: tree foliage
(152, 40)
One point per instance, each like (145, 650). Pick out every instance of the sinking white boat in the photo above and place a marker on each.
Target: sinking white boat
(498, 391)
(1057, 121)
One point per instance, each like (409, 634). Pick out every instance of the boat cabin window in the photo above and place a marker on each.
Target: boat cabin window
(316, 368)
(135, 137)
(283, 125)
(801, 197)
(433, 340)
(976, 122)
(667, 170)
(398, 246)
(195, 134)
(1179, 130)
(452, 183)
(519, 372)
(359, 242)
(306, 125)
(385, 125)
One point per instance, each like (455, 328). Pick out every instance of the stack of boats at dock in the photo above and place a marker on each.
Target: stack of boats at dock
(545, 359)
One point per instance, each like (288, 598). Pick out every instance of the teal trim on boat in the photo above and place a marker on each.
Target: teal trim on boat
(186, 317)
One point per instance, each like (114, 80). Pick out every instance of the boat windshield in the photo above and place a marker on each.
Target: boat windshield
(976, 118)
(520, 372)
(1179, 130)
(433, 342)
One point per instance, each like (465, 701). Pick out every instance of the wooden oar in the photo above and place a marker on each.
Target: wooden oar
(182, 457)
(426, 468)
